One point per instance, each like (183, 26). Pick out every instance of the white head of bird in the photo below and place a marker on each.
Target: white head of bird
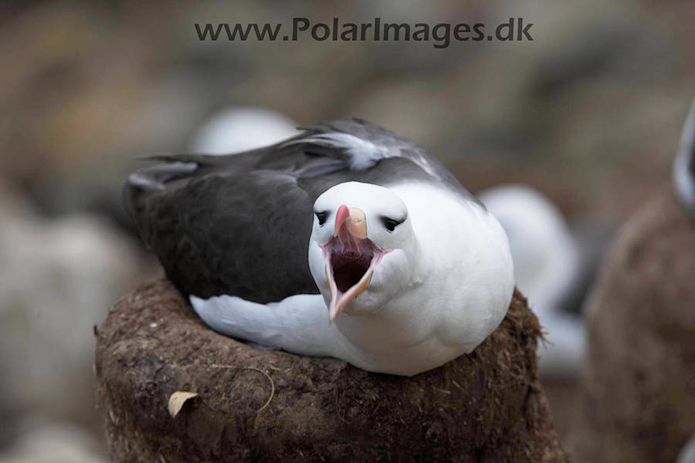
(363, 250)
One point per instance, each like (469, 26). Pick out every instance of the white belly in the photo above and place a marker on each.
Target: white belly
(299, 324)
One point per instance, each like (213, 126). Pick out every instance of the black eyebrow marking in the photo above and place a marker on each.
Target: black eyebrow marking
(390, 223)
(322, 216)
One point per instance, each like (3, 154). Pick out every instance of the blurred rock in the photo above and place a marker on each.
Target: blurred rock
(57, 277)
(54, 442)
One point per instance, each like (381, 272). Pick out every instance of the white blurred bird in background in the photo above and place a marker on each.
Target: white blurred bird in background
(241, 128)
(547, 269)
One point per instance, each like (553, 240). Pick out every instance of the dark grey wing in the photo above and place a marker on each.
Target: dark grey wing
(237, 224)
(239, 234)
(240, 224)
(684, 165)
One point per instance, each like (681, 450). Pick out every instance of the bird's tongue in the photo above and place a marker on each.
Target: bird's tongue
(341, 297)
(350, 262)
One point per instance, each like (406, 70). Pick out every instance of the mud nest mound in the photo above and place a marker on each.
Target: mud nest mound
(255, 405)
(639, 391)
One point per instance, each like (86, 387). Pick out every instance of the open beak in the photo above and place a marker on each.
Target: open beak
(350, 258)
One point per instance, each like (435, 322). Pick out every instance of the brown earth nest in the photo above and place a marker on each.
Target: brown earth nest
(639, 390)
(259, 405)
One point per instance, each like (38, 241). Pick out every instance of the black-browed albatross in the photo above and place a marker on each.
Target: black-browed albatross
(345, 241)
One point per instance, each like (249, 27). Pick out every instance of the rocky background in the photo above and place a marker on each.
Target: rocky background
(589, 113)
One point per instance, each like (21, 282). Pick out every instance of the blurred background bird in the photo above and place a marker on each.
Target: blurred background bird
(244, 128)
(547, 269)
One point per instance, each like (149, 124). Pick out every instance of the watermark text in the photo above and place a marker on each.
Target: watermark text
(441, 35)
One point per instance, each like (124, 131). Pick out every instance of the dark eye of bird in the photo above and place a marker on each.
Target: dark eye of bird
(322, 216)
(390, 223)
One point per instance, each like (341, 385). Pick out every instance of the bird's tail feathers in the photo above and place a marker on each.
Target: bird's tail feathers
(153, 179)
